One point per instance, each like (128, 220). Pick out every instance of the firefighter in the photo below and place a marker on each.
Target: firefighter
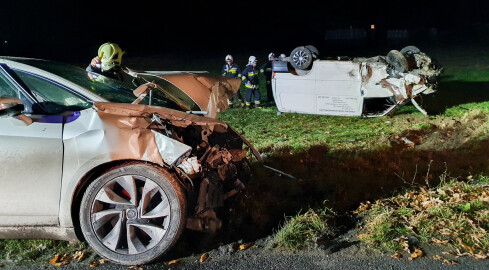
(266, 69)
(252, 82)
(108, 62)
(232, 70)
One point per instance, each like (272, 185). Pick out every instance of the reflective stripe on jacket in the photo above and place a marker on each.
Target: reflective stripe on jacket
(250, 76)
(231, 71)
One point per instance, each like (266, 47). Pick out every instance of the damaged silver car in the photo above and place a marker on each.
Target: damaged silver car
(344, 86)
(127, 178)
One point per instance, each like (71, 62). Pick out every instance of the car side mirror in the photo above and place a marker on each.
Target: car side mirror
(10, 106)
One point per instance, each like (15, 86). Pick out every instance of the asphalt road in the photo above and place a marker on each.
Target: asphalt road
(257, 257)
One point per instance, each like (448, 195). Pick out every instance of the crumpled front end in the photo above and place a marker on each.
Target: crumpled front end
(205, 154)
(403, 75)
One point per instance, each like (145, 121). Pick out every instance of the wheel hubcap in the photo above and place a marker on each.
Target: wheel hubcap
(130, 214)
(300, 58)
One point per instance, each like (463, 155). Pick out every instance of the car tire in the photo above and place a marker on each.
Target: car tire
(314, 50)
(133, 213)
(410, 50)
(397, 61)
(301, 58)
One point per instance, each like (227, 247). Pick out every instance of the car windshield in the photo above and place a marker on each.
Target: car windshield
(109, 89)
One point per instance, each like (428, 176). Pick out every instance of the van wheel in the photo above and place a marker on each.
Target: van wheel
(397, 61)
(301, 58)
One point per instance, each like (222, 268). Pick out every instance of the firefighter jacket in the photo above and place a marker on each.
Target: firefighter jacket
(250, 77)
(115, 73)
(232, 71)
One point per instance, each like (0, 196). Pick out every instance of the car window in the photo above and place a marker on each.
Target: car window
(53, 97)
(110, 89)
(7, 89)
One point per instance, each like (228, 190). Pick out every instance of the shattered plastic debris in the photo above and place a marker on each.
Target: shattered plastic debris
(405, 141)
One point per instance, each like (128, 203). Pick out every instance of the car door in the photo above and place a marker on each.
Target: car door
(30, 162)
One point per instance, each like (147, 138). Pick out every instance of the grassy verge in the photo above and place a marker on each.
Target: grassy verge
(27, 252)
(454, 215)
(304, 230)
(298, 132)
(272, 134)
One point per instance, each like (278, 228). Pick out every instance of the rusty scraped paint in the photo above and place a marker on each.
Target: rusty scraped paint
(210, 93)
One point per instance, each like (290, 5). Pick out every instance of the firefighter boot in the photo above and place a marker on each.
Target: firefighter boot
(258, 105)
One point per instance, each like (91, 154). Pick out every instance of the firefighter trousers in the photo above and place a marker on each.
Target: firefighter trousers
(252, 92)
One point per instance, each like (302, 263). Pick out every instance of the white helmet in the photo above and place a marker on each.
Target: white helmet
(229, 57)
(271, 55)
(251, 60)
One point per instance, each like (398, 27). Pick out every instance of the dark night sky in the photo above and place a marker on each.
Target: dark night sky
(74, 29)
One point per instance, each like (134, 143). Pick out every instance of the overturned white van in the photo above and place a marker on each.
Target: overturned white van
(370, 87)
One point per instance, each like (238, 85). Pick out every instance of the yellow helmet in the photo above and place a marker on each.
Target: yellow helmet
(110, 55)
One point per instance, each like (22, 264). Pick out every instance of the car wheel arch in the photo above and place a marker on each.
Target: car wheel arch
(91, 176)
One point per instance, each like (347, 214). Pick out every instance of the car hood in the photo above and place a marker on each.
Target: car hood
(195, 91)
